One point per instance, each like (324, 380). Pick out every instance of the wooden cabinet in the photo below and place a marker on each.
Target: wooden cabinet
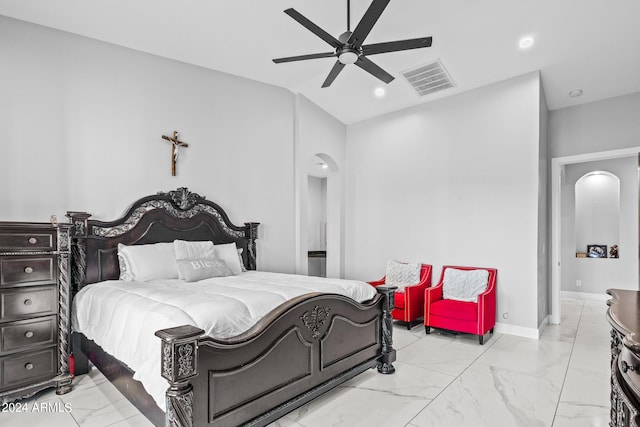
(624, 316)
(34, 309)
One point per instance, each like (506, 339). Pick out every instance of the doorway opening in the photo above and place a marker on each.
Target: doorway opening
(561, 258)
(322, 217)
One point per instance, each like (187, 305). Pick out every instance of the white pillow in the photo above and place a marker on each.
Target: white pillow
(184, 250)
(147, 262)
(402, 274)
(229, 253)
(193, 270)
(464, 285)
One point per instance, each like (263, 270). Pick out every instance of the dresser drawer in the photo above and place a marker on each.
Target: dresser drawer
(27, 302)
(26, 367)
(26, 334)
(37, 240)
(629, 365)
(30, 270)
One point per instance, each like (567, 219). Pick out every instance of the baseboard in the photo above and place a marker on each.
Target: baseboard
(534, 333)
(584, 295)
(521, 331)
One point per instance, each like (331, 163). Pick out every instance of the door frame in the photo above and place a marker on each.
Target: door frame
(557, 168)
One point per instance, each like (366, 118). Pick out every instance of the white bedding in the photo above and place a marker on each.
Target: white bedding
(122, 317)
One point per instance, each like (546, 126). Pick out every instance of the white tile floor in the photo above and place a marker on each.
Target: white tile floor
(561, 380)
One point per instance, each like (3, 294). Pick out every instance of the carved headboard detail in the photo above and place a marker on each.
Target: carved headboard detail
(163, 217)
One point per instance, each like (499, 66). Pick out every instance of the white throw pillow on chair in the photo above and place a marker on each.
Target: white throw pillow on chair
(464, 285)
(402, 274)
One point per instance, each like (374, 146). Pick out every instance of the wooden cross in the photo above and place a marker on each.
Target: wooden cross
(175, 145)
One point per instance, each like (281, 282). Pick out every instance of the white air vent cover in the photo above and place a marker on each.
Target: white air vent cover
(429, 78)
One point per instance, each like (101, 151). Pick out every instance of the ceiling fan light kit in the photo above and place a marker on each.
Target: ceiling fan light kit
(348, 57)
(349, 47)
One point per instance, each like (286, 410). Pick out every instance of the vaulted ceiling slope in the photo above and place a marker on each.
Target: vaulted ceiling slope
(590, 45)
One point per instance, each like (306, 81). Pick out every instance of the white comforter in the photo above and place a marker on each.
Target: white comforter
(122, 317)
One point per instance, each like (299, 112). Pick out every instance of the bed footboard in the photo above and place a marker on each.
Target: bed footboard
(298, 352)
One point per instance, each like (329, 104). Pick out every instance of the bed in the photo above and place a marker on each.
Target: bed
(303, 347)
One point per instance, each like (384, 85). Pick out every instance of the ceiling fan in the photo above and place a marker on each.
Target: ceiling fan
(349, 48)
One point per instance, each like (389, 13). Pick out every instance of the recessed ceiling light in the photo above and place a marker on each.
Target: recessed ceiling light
(379, 92)
(575, 93)
(526, 42)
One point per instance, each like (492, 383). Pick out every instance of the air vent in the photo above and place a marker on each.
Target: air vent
(429, 78)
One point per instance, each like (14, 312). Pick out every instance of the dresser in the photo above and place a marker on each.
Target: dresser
(624, 316)
(34, 309)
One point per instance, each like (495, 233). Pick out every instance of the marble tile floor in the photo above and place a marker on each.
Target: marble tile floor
(442, 380)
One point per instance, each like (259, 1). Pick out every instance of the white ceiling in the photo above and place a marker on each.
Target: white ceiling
(592, 45)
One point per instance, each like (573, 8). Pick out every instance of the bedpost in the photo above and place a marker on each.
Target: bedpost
(78, 245)
(64, 302)
(385, 364)
(179, 355)
(251, 233)
(76, 277)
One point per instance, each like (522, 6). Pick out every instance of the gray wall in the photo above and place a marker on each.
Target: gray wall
(597, 275)
(597, 126)
(602, 126)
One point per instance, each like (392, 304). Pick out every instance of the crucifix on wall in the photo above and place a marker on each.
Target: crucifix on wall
(175, 149)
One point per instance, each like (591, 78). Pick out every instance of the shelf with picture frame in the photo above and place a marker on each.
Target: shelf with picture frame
(599, 251)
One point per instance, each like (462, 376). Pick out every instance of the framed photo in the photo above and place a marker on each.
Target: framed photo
(597, 251)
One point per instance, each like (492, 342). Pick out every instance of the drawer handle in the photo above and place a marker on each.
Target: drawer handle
(28, 301)
(626, 367)
(28, 270)
(28, 366)
(33, 240)
(28, 334)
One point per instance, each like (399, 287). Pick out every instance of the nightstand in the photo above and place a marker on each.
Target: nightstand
(34, 309)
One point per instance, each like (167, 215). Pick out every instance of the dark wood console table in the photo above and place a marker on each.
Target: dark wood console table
(624, 316)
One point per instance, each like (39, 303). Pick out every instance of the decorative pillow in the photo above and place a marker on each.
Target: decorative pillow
(184, 250)
(402, 274)
(464, 285)
(147, 262)
(193, 270)
(229, 253)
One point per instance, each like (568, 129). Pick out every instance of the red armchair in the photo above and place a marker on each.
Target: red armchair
(477, 317)
(409, 303)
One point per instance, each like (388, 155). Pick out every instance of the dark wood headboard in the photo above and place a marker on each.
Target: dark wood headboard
(163, 217)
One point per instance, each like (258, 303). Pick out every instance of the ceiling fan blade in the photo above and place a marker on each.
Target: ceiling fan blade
(367, 65)
(367, 22)
(374, 49)
(313, 28)
(303, 57)
(337, 67)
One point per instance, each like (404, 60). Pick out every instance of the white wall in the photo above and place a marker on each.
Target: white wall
(317, 132)
(597, 275)
(544, 294)
(455, 181)
(82, 123)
